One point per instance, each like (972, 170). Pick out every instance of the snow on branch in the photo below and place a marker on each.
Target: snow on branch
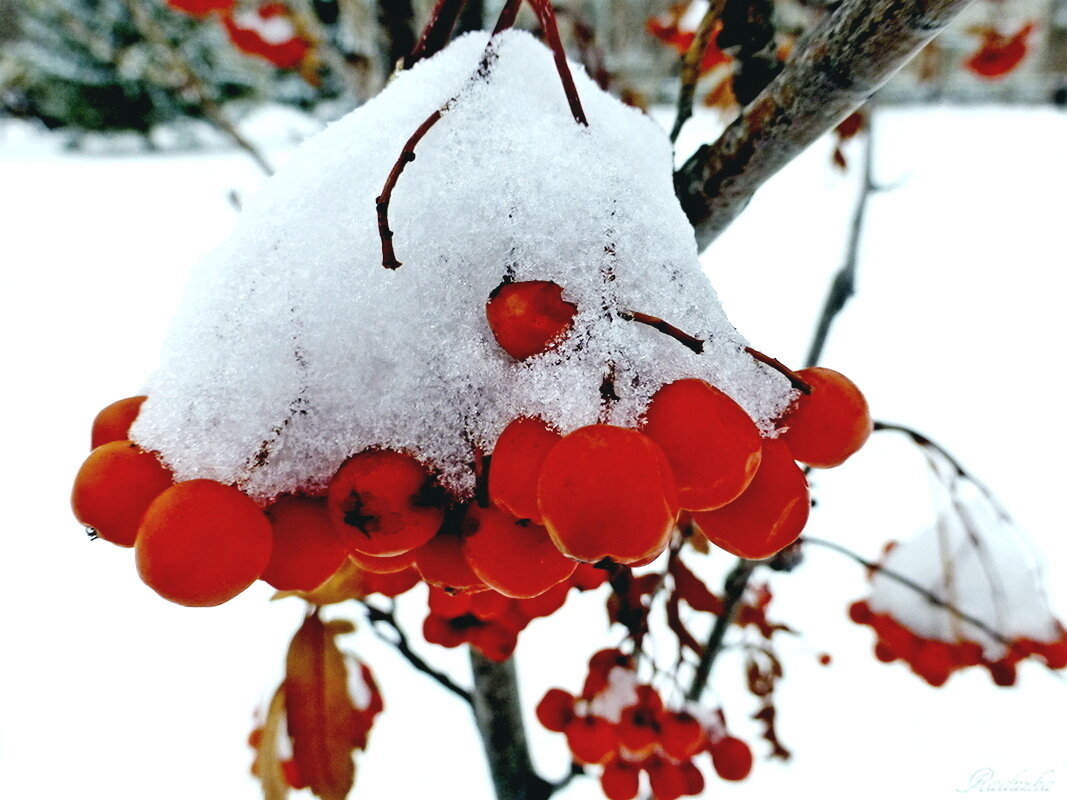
(840, 64)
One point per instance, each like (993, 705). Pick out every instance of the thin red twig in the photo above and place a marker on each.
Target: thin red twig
(546, 15)
(437, 32)
(795, 380)
(690, 341)
(407, 155)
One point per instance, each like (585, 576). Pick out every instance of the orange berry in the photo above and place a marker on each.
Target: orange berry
(202, 543)
(825, 427)
(113, 422)
(384, 503)
(517, 458)
(528, 317)
(515, 557)
(306, 548)
(607, 492)
(441, 563)
(114, 487)
(770, 514)
(713, 446)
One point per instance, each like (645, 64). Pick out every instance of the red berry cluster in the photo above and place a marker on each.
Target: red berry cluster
(934, 660)
(697, 451)
(549, 501)
(623, 726)
(491, 621)
(285, 52)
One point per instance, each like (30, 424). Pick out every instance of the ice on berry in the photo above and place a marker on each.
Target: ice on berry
(295, 348)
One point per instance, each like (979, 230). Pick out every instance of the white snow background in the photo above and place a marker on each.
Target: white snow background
(107, 691)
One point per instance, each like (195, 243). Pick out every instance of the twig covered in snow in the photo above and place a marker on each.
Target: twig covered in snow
(842, 62)
(904, 580)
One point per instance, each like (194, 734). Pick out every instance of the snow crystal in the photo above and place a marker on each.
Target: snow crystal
(975, 560)
(295, 348)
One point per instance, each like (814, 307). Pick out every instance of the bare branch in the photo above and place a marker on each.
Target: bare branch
(844, 283)
(691, 63)
(378, 616)
(841, 64)
(733, 590)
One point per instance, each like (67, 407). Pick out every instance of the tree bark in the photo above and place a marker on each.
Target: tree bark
(498, 715)
(837, 67)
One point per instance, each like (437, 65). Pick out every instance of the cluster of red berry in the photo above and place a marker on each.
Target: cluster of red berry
(696, 451)
(285, 47)
(623, 726)
(549, 502)
(934, 660)
(491, 621)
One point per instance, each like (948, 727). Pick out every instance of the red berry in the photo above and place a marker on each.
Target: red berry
(825, 427)
(389, 584)
(607, 492)
(306, 548)
(515, 557)
(732, 758)
(114, 487)
(516, 463)
(770, 514)
(620, 780)
(202, 543)
(384, 503)
(545, 604)
(681, 735)
(592, 740)
(441, 563)
(556, 710)
(528, 317)
(711, 443)
(666, 779)
(495, 641)
(113, 423)
(383, 565)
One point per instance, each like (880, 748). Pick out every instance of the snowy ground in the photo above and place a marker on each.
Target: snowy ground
(108, 691)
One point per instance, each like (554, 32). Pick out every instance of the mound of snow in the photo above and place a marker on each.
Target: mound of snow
(295, 348)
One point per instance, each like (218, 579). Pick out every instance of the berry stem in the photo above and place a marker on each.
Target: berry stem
(407, 155)
(437, 38)
(795, 380)
(690, 341)
(697, 346)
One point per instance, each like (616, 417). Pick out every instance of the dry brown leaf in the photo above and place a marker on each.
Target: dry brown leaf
(319, 711)
(268, 764)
